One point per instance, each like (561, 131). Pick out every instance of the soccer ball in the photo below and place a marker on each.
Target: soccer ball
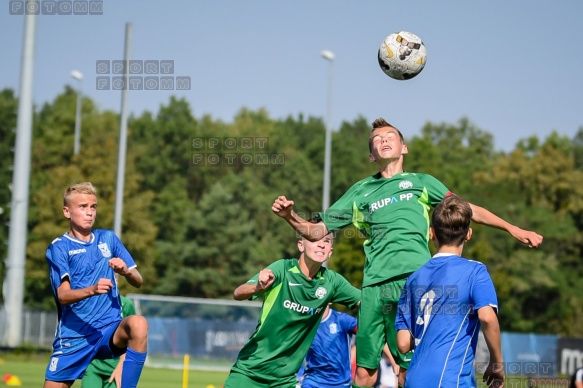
(402, 55)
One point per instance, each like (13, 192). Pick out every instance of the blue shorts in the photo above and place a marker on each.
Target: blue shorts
(71, 366)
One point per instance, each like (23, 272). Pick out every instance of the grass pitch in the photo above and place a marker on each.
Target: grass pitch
(30, 370)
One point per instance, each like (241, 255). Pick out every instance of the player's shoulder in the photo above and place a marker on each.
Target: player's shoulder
(284, 265)
(331, 275)
(472, 263)
(418, 175)
(103, 233)
(58, 241)
(341, 315)
(363, 182)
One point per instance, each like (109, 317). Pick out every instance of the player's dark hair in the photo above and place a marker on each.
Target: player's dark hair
(381, 123)
(451, 220)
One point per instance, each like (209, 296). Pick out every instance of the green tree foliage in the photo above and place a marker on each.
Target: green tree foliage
(54, 168)
(536, 186)
(202, 228)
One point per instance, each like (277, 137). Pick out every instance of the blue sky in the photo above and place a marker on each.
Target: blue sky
(512, 67)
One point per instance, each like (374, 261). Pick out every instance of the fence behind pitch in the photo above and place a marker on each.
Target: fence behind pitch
(210, 331)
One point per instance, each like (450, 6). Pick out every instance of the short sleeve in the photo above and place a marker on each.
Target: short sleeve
(483, 292)
(119, 250)
(345, 293)
(58, 262)
(404, 310)
(278, 268)
(348, 323)
(435, 189)
(341, 213)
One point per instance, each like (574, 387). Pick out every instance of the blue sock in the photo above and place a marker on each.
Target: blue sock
(132, 368)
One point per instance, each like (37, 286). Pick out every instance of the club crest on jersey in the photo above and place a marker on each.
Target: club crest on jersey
(104, 249)
(321, 292)
(333, 328)
(405, 185)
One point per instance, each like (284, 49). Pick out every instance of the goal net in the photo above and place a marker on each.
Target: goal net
(210, 331)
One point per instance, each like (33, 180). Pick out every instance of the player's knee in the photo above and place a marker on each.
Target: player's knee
(138, 326)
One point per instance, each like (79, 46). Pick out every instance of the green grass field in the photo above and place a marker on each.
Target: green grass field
(31, 370)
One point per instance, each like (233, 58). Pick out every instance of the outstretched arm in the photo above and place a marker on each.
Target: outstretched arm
(494, 374)
(284, 208)
(246, 290)
(485, 217)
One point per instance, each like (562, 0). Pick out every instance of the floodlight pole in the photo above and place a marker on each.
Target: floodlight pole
(123, 134)
(13, 287)
(329, 56)
(77, 144)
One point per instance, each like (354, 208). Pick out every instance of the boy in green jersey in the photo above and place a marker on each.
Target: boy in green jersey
(296, 293)
(392, 209)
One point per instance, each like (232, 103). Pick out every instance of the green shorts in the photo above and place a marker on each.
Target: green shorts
(376, 324)
(239, 380)
(98, 373)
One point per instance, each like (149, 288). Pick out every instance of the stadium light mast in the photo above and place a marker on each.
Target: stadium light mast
(13, 287)
(329, 56)
(123, 137)
(77, 145)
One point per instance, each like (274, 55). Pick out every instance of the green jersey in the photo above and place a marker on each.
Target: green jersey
(393, 214)
(292, 309)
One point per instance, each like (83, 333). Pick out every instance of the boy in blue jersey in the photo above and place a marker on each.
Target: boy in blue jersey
(328, 360)
(82, 267)
(442, 306)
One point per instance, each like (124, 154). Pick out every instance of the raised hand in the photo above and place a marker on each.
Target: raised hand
(532, 239)
(282, 207)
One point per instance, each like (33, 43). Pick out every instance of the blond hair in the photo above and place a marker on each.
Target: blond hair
(79, 188)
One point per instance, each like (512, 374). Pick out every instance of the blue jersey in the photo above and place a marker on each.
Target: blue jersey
(328, 360)
(439, 306)
(84, 263)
